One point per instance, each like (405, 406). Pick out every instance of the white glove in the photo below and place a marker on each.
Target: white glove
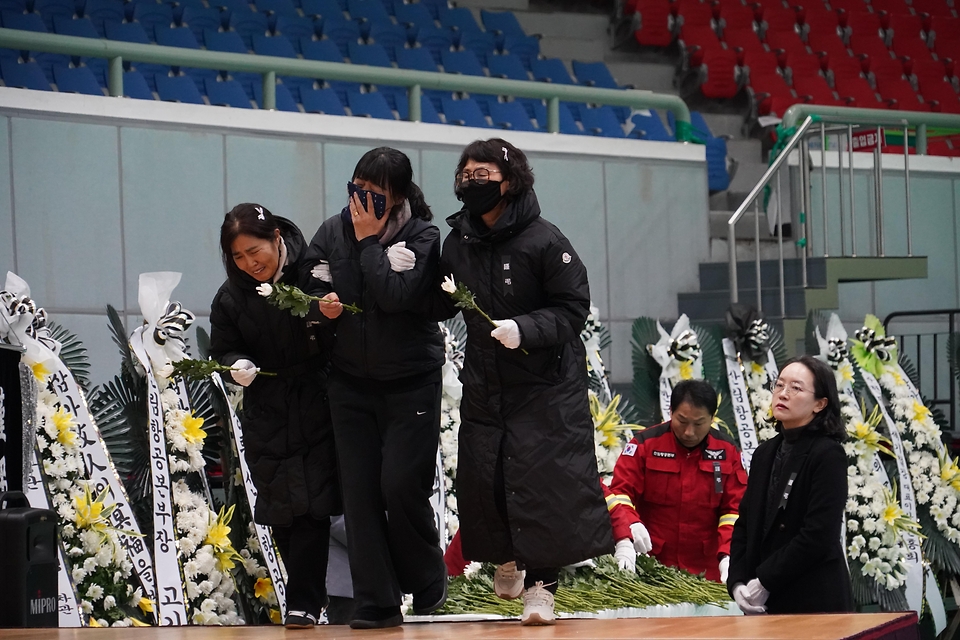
(756, 593)
(322, 271)
(626, 556)
(641, 538)
(401, 258)
(244, 372)
(724, 568)
(507, 332)
(740, 594)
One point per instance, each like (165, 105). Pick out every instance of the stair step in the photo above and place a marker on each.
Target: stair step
(565, 25)
(715, 276)
(649, 76)
(722, 124)
(705, 305)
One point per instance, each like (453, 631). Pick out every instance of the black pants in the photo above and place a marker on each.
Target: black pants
(387, 450)
(303, 547)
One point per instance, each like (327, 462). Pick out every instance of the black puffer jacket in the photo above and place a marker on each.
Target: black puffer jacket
(286, 425)
(391, 338)
(528, 413)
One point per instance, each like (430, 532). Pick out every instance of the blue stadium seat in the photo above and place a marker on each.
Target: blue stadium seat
(200, 19)
(482, 43)
(227, 41)
(504, 22)
(594, 74)
(321, 101)
(325, 8)
(23, 21)
(434, 6)
(17, 6)
(264, 45)
(391, 37)
(227, 93)
(135, 86)
(368, 13)
(601, 121)
(10, 54)
(413, 16)
(648, 126)
(459, 19)
(152, 15)
(231, 6)
(372, 105)
(428, 113)
(435, 40)
(464, 112)
(79, 27)
(127, 32)
(511, 115)
(248, 25)
(285, 101)
(101, 12)
(527, 48)
(199, 76)
(179, 6)
(418, 59)
(372, 55)
(76, 80)
(718, 178)
(97, 66)
(278, 7)
(322, 50)
(48, 9)
(341, 31)
(177, 89)
(551, 70)
(23, 75)
(175, 37)
(507, 66)
(295, 27)
(48, 61)
(464, 62)
(567, 124)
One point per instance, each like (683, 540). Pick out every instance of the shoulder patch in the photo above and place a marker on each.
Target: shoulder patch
(566, 257)
(630, 449)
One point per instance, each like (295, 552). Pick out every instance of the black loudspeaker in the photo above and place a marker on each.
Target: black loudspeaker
(29, 591)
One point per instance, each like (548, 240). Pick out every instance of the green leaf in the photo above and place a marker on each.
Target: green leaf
(646, 372)
(72, 353)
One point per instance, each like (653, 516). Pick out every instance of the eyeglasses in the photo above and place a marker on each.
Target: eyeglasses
(479, 176)
(791, 389)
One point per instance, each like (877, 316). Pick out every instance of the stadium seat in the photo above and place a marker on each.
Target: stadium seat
(502, 23)
(294, 27)
(601, 121)
(511, 115)
(23, 75)
(428, 113)
(152, 15)
(465, 112)
(413, 16)
(198, 19)
(416, 59)
(101, 12)
(507, 66)
(372, 105)
(391, 37)
(459, 19)
(177, 89)
(647, 125)
(372, 55)
(463, 62)
(527, 48)
(321, 101)
(226, 41)
(277, 46)
(127, 32)
(325, 8)
(248, 25)
(435, 40)
(79, 27)
(277, 7)
(482, 43)
(227, 93)
(551, 70)
(567, 123)
(135, 86)
(372, 11)
(48, 9)
(654, 21)
(175, 37)
(283, 96)
(936, 8)
(76, 80)
(341, 31)
(23, 21)
(322, 50)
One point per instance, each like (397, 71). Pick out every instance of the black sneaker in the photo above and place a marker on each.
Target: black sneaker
(431, 598)
(299, 620)
(367, 617)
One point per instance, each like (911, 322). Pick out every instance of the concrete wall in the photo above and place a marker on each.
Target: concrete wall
(94, 191)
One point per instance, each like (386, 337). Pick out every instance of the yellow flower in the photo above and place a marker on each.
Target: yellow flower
(686, 370)
(845, 371)
(89, 511)
(895, 517)
(275, 616)
(218, 536)
(191, 429)
(64, 422)
(897, 378)
(950, 472)
(40, 372)
(756, 368)
(892, 513)
(94, 623)
(146, 605)
(263, 587)
(920, 412)
(608, 421)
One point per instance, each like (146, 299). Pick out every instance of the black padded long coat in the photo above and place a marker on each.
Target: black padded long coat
(799, 559)
(525, 417)
(285, 420)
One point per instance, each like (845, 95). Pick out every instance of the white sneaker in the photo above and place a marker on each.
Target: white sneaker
(537, 606)
(508, 582)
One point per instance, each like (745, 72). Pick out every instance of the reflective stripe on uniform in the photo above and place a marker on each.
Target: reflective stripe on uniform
(616, 499)
(728, 519)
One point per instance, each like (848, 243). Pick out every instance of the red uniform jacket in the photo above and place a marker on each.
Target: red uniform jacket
(687, 500)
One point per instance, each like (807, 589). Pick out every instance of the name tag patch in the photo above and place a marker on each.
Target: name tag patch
(630, 449)
(664, 454)
(715, 454)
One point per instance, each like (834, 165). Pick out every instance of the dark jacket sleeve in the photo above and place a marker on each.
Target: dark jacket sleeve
(567, 299)
(401, 291)
(226, 343)
(437, 303)
(820, 530)
(317, 252)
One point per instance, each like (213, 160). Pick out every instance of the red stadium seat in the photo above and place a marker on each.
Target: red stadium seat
(721, 79)
(869, 44)
(944, 30)
(940, 95)
(777, 19)
(858, 91)
(816, 88)
(849, 5)
(933, 7)
(771, 94)
(807, 65)
(694, 13)
(654, 28)
(890, 6)
(910, 44)
(736, 16)
(700, 36)
(827, 40)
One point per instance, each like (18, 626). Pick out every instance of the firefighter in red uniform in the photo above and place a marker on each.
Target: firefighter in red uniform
(677, 487)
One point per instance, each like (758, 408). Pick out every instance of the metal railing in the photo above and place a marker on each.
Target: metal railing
(820, 121)
(269, 66)
(915, 345)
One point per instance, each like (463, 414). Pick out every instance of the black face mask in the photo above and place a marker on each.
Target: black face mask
(480, 198)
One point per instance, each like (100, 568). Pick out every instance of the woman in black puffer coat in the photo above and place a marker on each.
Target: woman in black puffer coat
(287, 436)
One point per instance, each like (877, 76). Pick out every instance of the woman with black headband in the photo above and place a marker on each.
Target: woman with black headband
(527, 482)
(287, 435)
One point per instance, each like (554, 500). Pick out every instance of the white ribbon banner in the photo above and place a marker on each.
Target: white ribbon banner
(771, 366)
(267, 548)
(438, 500)
(171, 607)
(742, 413)
(100, 469)
(3, 438)
(666, 390)
(67, 601)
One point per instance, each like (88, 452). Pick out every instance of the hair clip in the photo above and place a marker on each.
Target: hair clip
(260, 211)
(505, 158)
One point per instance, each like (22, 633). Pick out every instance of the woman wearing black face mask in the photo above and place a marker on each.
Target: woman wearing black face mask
(528, 487)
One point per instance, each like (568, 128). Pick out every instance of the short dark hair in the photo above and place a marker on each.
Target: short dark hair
(699, 393)
(828, 421)
(390, 169)
(248, 219)
(511, 162)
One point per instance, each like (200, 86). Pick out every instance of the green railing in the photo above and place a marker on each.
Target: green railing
(270, 66)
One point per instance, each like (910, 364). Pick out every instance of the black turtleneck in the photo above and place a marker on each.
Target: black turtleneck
(790, 437)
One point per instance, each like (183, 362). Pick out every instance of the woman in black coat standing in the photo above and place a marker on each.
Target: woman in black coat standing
(385, 385)
(787, 555)
(527, 482)
(287, 435)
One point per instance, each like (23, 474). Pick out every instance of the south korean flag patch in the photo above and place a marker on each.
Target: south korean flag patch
(630, 449)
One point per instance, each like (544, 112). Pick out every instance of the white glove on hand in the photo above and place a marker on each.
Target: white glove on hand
(507, 332)
(244, 372)
(401, 258)
(756, 593)
(641, 538)
(724, 569)
(322, 272)
(740, 595)
(626, 556)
